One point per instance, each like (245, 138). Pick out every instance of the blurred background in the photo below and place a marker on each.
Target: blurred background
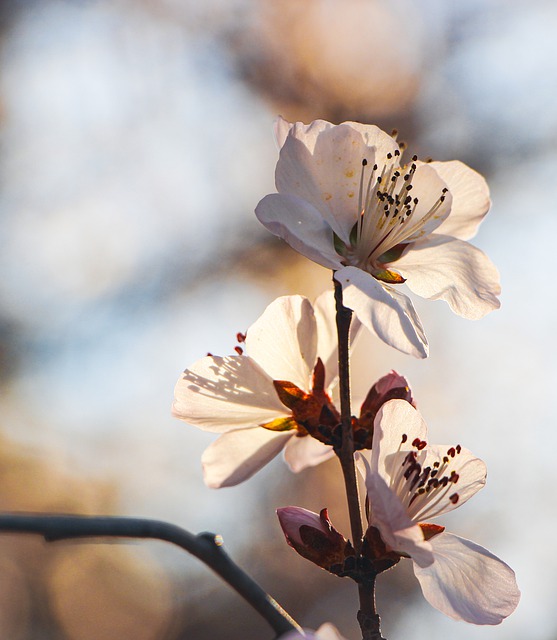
(135, 141)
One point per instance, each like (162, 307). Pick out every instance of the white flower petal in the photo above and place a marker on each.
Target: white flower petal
(472, 474)
(470, 199)
(304, 452)
(283, 340)
(326, 631)
(325, 169)
(383, 311)
(389, 516)
(395, 419)
(235, 456)
(441, 267)
(467, 582)
(305, 133)
(428, 188)
(301, 225)
(282, 127)
(219, 394)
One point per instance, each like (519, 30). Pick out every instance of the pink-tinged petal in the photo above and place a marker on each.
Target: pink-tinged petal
(292, 518)
(390, 387)
(383, 311)
(283, 341)
(470, 199)
(388, 514)
(467, 582)
(397, 421)
(325, 170)
(235, 456)
(471, 474)
(299, 224)
(304, 452)
(443, 268)
(219, 394)
(391, 382)
(326, 631)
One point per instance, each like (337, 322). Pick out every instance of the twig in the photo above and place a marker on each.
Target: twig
(367, 615)
(205, 546)
(346, 453)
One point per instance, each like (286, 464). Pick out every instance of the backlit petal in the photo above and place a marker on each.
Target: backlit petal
(467, 582)
(383, 311)
(428, 188)
(304, 452)
(301, 225)
(283, 340)
(443, 268)
(235, 456)
(325, 170)
(471, 471)
(397, 420)
(326, 631)
(470, 199)
(219, 394)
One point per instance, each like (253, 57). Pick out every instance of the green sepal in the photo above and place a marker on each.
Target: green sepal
(281, 424)
(339, 245)
(393, 254)
(389, 277)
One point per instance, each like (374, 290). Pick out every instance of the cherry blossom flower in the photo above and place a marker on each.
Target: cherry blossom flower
(409, 482)
(326, 631)
(272, 397)
(347, 201)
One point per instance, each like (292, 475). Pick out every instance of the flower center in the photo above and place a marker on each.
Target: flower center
(388, 217)
(423, 480)
(312, 413)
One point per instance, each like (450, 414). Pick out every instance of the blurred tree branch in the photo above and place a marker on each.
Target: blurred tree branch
(207, 547)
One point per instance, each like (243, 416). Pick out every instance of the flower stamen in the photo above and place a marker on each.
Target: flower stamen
(386, 211)
(423, 488)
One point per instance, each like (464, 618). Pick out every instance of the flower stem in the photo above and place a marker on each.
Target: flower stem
(207, 547)
(370, 623)
(346, 452)
(367, 615)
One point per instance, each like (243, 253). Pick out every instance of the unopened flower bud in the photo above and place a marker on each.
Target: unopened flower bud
(392, 386)
(313, 536)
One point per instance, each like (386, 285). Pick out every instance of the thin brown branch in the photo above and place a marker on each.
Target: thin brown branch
(207, 547)
(346, 453)
(367, 615)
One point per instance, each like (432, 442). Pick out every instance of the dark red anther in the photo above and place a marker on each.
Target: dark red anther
(239, 351)
(419, 444)
(454, 498)
(240, 337)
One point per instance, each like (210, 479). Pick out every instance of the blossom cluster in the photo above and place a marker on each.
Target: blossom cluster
(347, 200)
